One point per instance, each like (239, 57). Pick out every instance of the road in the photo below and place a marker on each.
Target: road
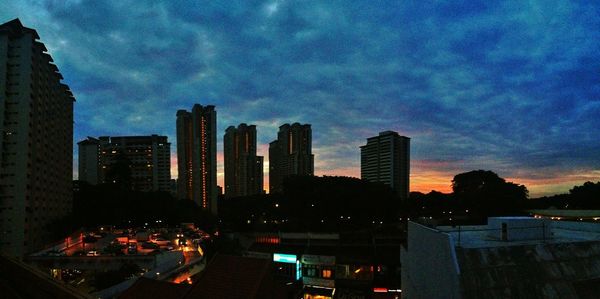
(194, 263)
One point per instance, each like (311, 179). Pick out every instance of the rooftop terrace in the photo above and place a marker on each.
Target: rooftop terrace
(512, 231)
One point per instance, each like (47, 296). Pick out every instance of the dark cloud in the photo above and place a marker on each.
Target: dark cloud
(507, 86)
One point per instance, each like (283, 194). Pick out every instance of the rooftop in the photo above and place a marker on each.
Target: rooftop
(556, 270)
(521, 231)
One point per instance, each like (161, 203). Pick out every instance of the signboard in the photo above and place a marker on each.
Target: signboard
(284, 258)
(318, 259)
(319, 282)
(298, 270)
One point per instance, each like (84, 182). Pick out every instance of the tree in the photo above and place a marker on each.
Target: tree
(119, 173)
(487, 193)
(585, 196)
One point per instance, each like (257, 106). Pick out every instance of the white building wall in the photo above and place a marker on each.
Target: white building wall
(429, 266)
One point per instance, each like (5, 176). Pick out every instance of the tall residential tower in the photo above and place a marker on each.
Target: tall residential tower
(386, 159)
(290, 154)
(243, 168)
(197, 156)
(36, 141)
(148, 159)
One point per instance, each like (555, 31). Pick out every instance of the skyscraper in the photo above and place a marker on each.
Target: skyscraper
(290, 154)
(386, 158)
(197, 156)
(243, 168)
(36, 142)
(148, 159)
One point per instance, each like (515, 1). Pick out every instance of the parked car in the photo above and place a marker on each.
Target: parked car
(93, 253)
(56, 253)
(150, 245)
(162, 242)
(132, 248)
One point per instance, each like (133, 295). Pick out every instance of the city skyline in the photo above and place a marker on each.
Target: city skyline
(507, 87)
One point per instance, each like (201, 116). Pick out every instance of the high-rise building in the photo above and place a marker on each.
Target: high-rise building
(88, 160)
(147, 160)
(290, 154)
(243, 168)
(386, 159)
(197, 156)
(36, 141)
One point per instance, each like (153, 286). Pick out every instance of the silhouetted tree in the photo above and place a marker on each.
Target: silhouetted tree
(488, 194)
(314, 203)
(586, 196)
(119, 173)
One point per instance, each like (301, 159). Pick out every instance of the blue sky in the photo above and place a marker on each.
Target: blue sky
(509, 86)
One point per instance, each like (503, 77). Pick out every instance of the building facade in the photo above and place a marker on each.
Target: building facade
(386, 159)
(88, 160)
(290, 154)
(243, 168)
(197, 156)
(147, 160)
(36, 141)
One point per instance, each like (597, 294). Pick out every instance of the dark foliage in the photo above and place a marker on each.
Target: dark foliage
(432, 203)
(112, 204)
(119, 173)
(314, 203)
(586, 196)
(485, 193)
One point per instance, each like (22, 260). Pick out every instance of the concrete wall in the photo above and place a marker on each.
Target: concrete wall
(519, 228)
(429, 266)
(579, 226)
(582, 230)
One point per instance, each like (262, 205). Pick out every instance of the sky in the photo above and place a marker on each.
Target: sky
(507, 86)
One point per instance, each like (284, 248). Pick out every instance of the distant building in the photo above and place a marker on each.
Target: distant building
(88, 160)
(225, 276)
(386, 159)
(357, 264)
(148, 161)
(243, 168)
(197, 156)
(290, 154)
(173, 188)
(510, 257)
(36, 141)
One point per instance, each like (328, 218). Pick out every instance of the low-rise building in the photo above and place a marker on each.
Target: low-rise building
(334, 265)
(510, 257)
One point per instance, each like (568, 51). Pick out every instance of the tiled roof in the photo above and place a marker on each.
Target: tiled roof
(150, 288)
(543, 270)
(233, 277)
(19, 280)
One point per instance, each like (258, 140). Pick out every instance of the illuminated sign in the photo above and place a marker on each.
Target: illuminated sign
(298, 270)
(284, 258)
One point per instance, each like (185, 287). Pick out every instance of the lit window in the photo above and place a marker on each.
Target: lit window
(326, 273)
